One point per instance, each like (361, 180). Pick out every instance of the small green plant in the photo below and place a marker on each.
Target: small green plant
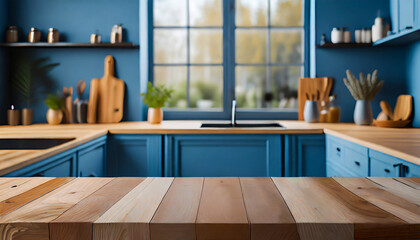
(54, 102)
(364, 89)
(156, 96)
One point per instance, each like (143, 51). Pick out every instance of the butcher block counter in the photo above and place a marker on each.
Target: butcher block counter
(209, 208)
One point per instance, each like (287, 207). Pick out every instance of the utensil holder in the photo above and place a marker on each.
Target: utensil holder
(13, 117)
(363, 113)
(311, 112)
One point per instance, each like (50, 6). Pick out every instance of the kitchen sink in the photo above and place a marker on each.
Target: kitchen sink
(241, 125)
(31, 143)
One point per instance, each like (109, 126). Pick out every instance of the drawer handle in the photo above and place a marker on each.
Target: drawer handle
(357, 163)
(338, 150)
(397, 165)
(387, 170)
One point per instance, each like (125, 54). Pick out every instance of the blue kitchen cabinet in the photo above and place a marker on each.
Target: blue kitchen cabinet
(132, 155)
(84, 160)
(411, 170)
(406, 14)
(345, 158)
(417, 14)
(91, 158)
(223, 155)
(394, 6)
(60, 165)
(304, 156)
(384, 165)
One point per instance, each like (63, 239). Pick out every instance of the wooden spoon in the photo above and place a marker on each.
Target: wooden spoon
(403, 108)
(386, 108)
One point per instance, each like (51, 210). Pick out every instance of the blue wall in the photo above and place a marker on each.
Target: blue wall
(390, 62)
(3, 57)
(76, 20)
(413, 77)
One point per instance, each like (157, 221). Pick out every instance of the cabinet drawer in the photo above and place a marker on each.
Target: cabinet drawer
(336, 171)
(411, 170)
(61, 170)
(383, 165)
(346, 155)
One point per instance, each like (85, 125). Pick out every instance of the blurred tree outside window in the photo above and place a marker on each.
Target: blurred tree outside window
(189, 53)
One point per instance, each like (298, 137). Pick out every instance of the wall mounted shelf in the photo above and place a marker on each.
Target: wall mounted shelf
(344, 45)
(69, 45)
(401, 38)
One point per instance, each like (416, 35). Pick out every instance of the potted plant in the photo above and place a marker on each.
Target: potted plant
(363, 91)
(30, 80)
(155, 98)
(55, 105)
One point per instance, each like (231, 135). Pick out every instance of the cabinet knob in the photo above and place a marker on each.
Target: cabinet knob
(338, 149)
(387, 170)
(357, 163)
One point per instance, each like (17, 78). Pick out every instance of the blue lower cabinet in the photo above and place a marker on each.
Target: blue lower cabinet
(132, 155)
(92, 158)
(347, 159)
(222, 155)
(384, 165)
(60, 165)
(304, 156)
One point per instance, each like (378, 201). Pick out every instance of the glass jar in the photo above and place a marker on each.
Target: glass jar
(12, 34)
(334, 110)
(323, 114)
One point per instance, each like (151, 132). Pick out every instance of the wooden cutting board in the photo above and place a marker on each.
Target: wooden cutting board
(311, 86)
(110, 96)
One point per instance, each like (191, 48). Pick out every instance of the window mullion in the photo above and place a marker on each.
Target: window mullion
(228, 54)
(188, 54)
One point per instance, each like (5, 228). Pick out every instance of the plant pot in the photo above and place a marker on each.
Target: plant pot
(54, 117)
(27, 116)
(155, 115)
(363, 113)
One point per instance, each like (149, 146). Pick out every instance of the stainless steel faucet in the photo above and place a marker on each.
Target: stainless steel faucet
(233, 113)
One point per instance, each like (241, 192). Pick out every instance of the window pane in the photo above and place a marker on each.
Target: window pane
(206, 46)
(251, 46)
(206, 13)
(286, 13)
(206, 87)
(286, 46)
(251, 12)
(170, 46)
(251, 83)
(284, 84)
(170, 12)
(176, 79)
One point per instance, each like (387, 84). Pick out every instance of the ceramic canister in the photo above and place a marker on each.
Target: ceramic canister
(311, 112)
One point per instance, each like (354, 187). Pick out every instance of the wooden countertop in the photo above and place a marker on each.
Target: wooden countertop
(401, 143)
(209, 208)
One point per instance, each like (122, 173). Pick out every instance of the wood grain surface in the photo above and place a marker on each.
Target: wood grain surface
(129, 218)
(267, 212)
(222, 213)
(77, 222)
(323, 209)
(176, 215)
(211, 208)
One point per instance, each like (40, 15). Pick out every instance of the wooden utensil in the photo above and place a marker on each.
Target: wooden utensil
(310, 87)
(80, 88)
(403, 108)
(110, 95)
(93, 101)
(391, 123)
(68, 104)
(386, 108)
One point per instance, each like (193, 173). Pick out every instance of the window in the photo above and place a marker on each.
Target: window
(210, 53)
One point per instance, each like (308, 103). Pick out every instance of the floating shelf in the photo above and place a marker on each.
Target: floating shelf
(344, 45)
(68, 45)
(401, 38)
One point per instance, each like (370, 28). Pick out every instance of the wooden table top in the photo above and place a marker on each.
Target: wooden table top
(209, 208)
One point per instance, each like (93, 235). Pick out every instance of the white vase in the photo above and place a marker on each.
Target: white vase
(363, 113)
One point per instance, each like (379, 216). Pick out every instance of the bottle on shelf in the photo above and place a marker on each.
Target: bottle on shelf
(334, 110)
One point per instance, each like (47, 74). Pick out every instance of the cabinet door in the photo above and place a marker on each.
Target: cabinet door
(406, 14)
(417, 14)
(132, 155)
(348, 159)
(305, 156)
(222, 155)
(411, 170)
(91, 161)
(383, 165)
(394, 6)
(63, 169)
